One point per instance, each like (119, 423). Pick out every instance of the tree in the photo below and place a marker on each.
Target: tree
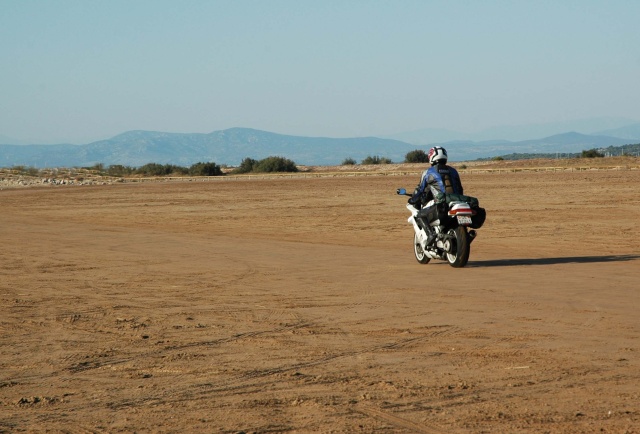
(376, 160)
(152, 169)
(155, 169)
(591, 153)
(269, 164)
(417, 156)
(205, 169)
(348, 162)
(275, 164)
(246, 166)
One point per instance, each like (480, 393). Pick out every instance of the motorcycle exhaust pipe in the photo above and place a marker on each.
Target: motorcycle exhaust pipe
(472, 236)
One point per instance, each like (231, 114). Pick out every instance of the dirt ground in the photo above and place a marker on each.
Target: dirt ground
(296, 305)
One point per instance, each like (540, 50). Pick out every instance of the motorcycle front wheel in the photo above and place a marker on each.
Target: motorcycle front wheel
(458, 249)
(421, 256)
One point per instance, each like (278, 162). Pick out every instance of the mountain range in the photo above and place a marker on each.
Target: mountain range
(616, 127)
(231, 146)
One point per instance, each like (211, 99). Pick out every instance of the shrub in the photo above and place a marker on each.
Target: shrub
(376, 160)
(591, 153)
(205, 169)
(269, 164)
(26, 170)
(417, 156)
(178, 170)
(275, 164)
(246, 166)
(98, 167)
(348, 162)
(155, 169)
(119, 170)
(151, 169)
(498, 159)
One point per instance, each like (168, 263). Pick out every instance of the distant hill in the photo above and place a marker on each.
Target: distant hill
(559, 143)
(231, 146)
(616, 127)
(629, 132)
(610, 151)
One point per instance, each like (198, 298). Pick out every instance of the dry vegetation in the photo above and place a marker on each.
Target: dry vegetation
(11, 178)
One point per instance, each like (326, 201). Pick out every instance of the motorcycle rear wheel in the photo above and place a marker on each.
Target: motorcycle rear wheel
(421, 256)
(458, 254)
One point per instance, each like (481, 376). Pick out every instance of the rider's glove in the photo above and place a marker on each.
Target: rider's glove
(416, 197)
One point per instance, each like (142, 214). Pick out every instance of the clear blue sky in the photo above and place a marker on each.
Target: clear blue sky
(82, 70)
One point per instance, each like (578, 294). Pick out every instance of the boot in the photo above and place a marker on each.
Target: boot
(431, 235)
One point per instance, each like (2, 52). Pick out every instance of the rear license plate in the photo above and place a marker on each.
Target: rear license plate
(464, 220)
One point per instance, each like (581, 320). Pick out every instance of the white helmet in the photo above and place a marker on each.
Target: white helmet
(437, 154)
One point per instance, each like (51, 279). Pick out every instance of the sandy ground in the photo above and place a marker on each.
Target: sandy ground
(296, 305)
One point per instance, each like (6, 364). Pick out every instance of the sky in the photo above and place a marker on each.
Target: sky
(75, 71)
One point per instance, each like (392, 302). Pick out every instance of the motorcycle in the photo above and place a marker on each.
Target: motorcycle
(449, 218)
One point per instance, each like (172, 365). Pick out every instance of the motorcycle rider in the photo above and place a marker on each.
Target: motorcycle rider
(439, 178)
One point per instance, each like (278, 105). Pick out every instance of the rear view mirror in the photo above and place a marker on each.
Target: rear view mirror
(401, 191)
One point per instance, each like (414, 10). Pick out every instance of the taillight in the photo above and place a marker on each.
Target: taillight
(461, 211)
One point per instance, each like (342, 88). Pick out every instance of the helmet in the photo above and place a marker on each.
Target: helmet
(437, 154)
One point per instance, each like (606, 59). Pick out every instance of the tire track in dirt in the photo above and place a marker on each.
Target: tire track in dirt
(424, 428)
(248, 380)
(239, 336)
(108, 362)
(544, 389)
(541, 388)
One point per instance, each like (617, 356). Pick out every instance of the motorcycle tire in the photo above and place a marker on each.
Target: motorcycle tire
(421, 256)
(458, 253)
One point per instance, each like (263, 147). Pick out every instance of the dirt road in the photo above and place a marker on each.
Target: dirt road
(296, 305)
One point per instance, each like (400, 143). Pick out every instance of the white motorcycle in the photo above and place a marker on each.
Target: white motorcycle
(448, 222)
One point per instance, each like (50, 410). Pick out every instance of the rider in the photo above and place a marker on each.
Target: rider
(439, 178)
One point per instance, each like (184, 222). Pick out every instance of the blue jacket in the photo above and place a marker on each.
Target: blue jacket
(439, 178)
